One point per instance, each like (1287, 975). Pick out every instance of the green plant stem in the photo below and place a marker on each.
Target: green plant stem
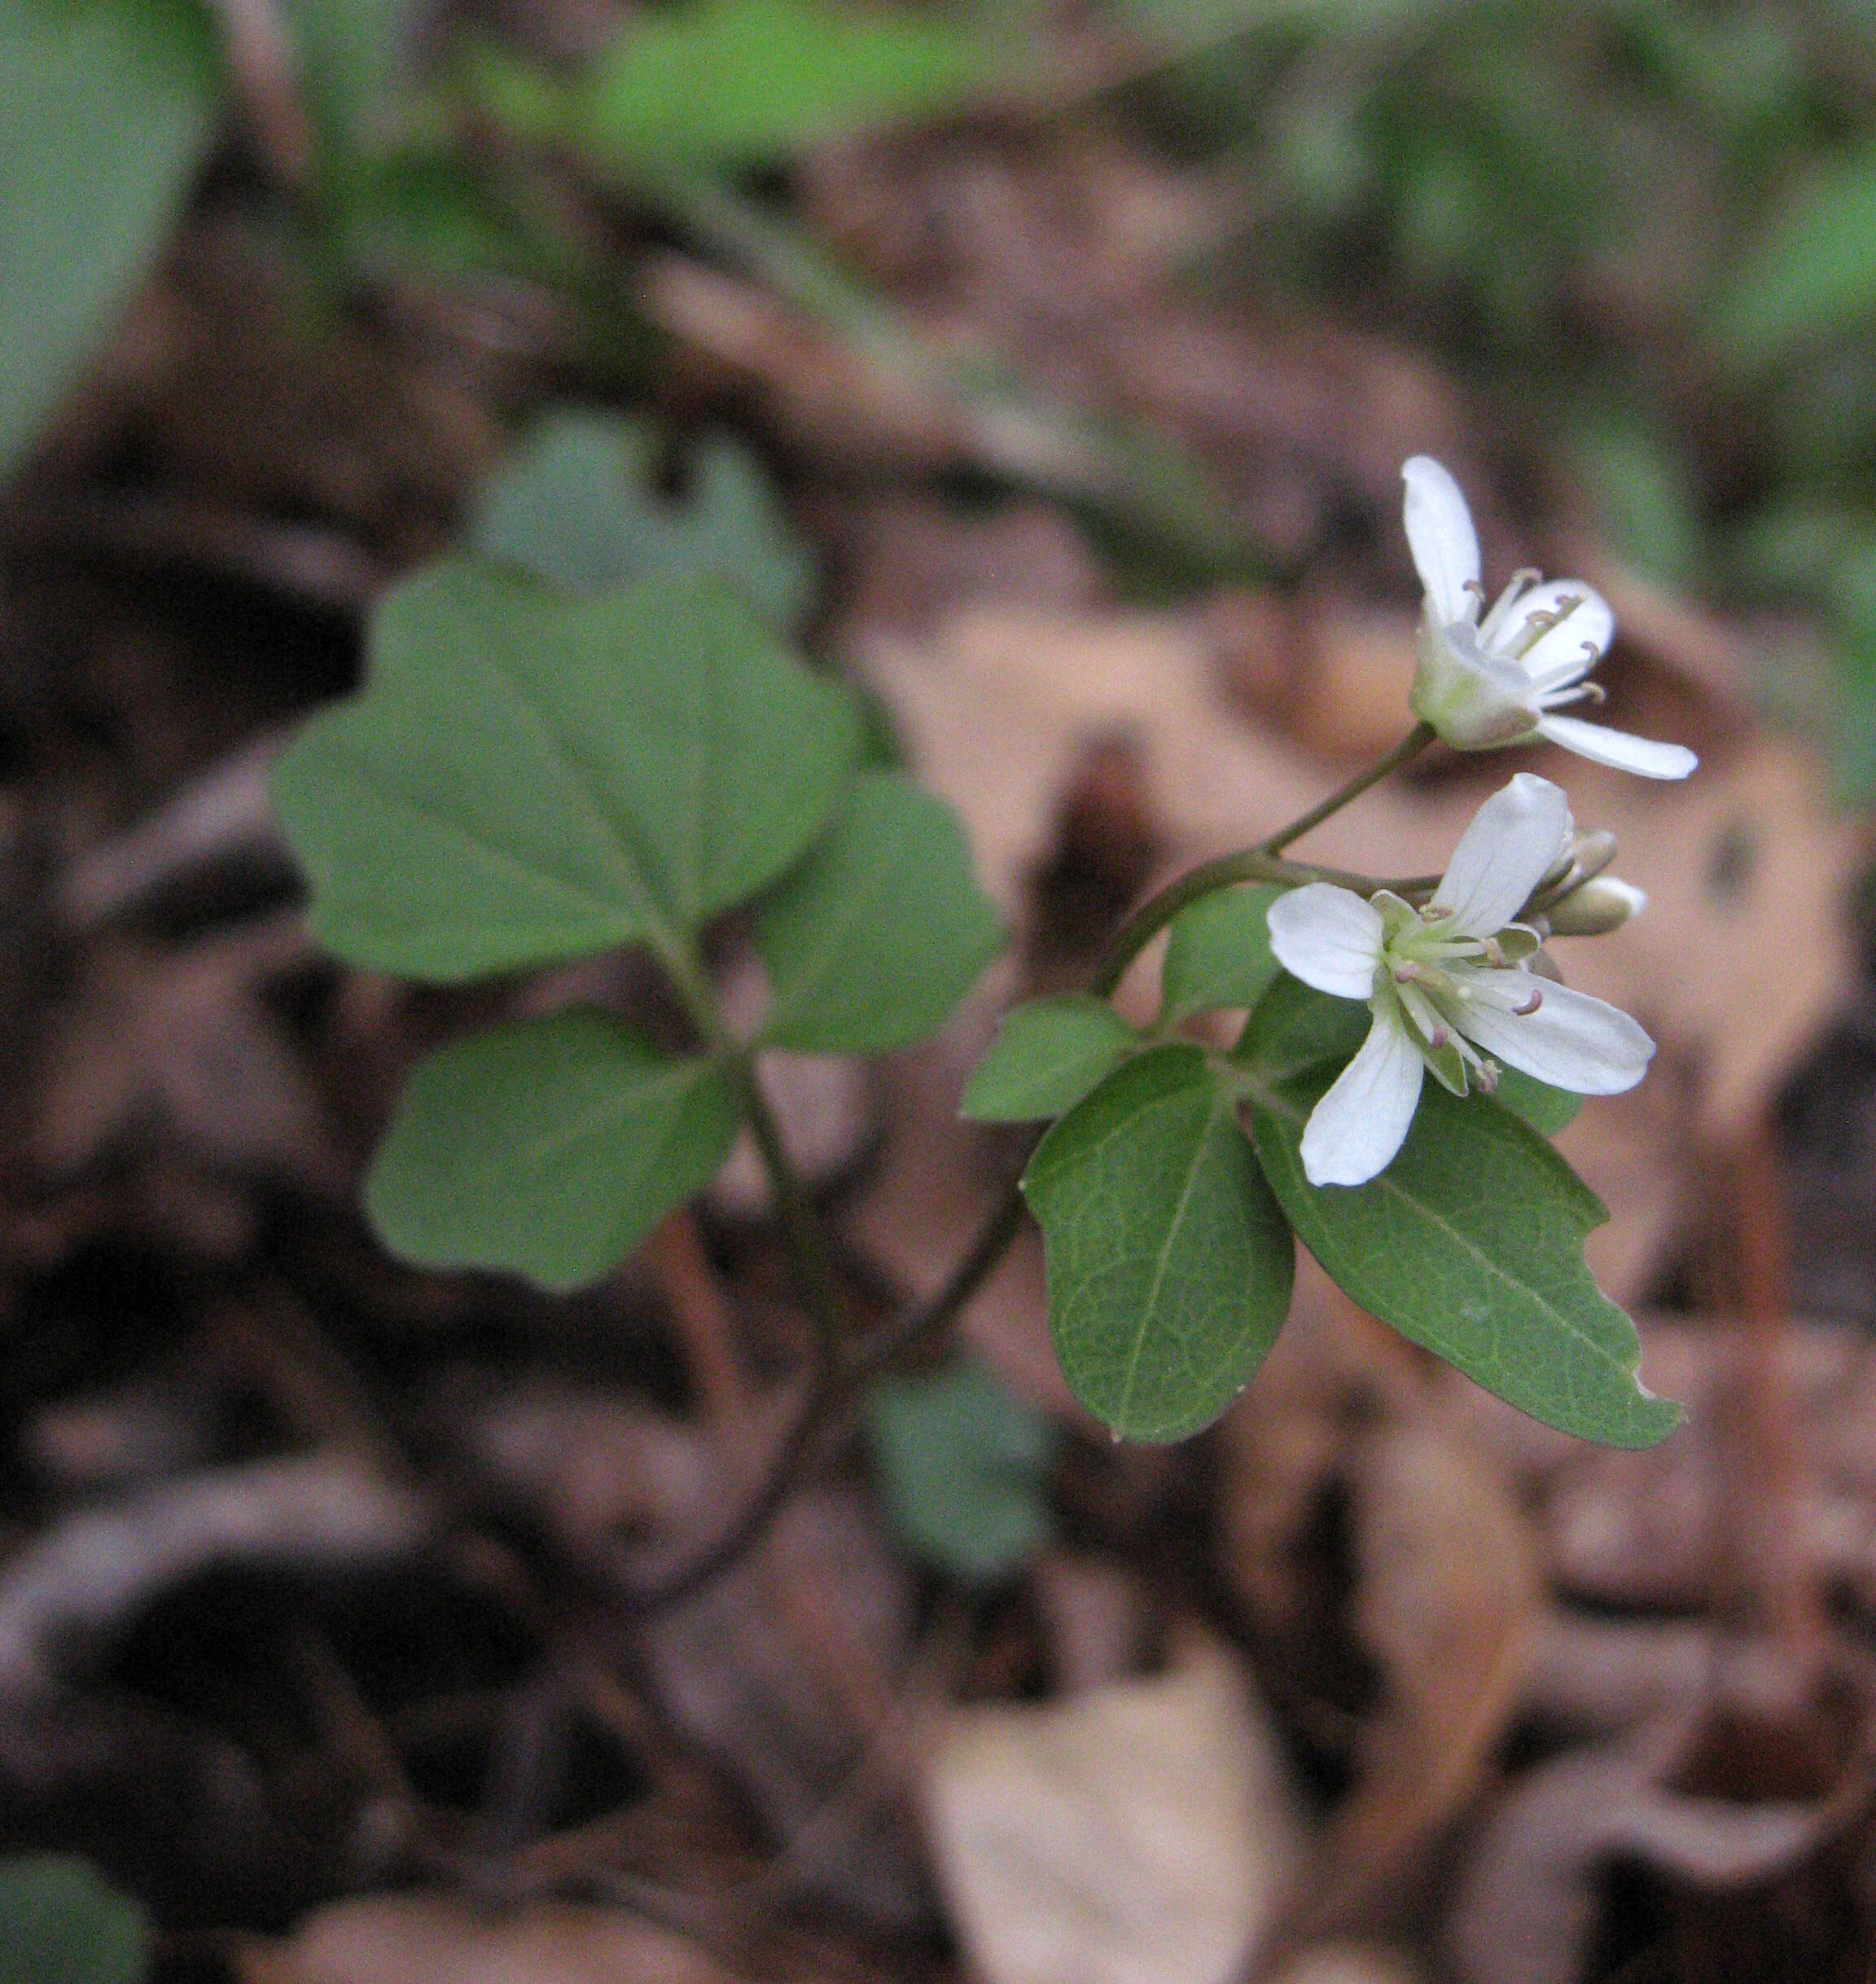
(1262, 863)
(810, 1257)
(1409, 748)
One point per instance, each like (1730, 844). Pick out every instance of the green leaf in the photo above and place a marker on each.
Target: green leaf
(529, 777)
(1218, 953)
(110, 108)
(1169, 1263)
(550, 1148)
(1812, 274)
(60, 1924)
(1471, 1242)
(964, 1464)
(1048, 1055)
(577, 508)
(879, 933)
(746, 82)
(1546, 1109)
(1294, 1028)
(350, 54)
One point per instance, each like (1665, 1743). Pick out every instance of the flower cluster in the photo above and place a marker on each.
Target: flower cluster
(1458, 986)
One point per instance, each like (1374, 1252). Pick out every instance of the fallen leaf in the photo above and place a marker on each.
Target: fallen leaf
(435, 1939)
(1139, 1833)
(1448, 1595)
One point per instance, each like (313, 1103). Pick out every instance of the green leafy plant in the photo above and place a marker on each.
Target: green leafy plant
(536, 771)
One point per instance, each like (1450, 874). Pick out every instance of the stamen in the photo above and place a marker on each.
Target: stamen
(1488, 1072)
(1531, 1004)
(1545, 621)
(1526, 575)
(1477, 591)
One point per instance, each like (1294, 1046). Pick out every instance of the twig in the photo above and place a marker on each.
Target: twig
(1771, 1567)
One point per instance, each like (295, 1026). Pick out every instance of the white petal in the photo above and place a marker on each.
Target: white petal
(1568, 652)
(1617, 748)
(1571, 1041)
(1513, 840)
(1328, 938)
(1354, 1130)
(1439, 533)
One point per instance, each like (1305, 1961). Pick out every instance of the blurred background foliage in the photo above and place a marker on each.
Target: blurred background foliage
(1644, 230)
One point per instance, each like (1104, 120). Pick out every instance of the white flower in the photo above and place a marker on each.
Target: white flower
(1483, 683)
(1446, 982)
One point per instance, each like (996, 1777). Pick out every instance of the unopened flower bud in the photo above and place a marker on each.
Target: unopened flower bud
(1599, 907)
(1592, 851)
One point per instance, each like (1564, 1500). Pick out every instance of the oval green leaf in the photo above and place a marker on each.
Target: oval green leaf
(529, 777)
(1471, 1244)
(878, 934)
(110, 109)
(1169, 1263)
(549, 1148)
(741, 83)
(578, 507)
(1049, 1054)
(964, 1464)
(1218, 953)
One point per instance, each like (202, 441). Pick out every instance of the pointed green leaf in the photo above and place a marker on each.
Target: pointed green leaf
(879, 933)
(578, 507)
(1049, 1054)
(1169, 1263)
(60, 1924)
(1471, 1244)
(741, 83)
(109, 109)
(528, 777)
(964, 1464)
(549, 1148)
(1218, 953)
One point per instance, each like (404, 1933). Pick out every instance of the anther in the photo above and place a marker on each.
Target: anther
(1531, 1004)
(1438, 1039)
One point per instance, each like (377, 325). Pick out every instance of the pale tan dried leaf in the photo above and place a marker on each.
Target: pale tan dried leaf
(437, 1939)
(1742, 954)
(1138, 1834)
